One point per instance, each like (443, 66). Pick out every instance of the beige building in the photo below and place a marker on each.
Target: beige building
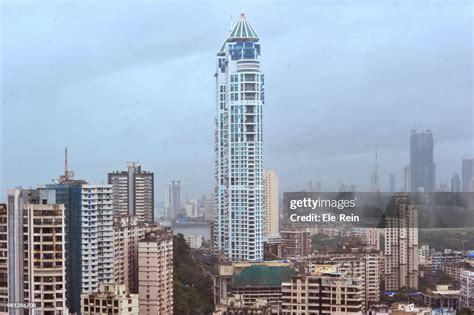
(295, 243)
(127, 233)
(328, 293)
(271, 197)
(35, 237)
(363, 265)
(372, 238)
(112, 298)
(401, 245)
(155, 272)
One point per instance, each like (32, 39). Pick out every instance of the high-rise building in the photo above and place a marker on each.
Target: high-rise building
(133, 192)
(97, 237)
(401, 245)
(155, 272)
(391, 184)
(467, 173)
(328, 293)
(110, 299)
(455, 183)
(372, 238)
(467, 289)
(36, 269)
(374, 176)
(69, 193)
(3, 258)
(239, 222)
(422, 169)
(127, 233)
(173, 199)
(192, 208)
(272, 205)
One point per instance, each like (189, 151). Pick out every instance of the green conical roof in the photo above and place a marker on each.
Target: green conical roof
(241, 31)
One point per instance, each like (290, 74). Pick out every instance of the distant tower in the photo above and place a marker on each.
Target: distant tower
(467, 173)
(455, 183)
(392, 183)
(239, 221)
(133, 192)
(173, 199)
(374, 177)
(422, 167)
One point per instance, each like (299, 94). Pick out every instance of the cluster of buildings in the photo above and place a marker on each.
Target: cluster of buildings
(77, 248)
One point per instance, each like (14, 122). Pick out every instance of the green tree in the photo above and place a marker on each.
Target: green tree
(192, 286)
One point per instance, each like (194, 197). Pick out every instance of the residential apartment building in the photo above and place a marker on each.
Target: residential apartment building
(133, 192)
(467, 288)
(272, 204)
(328, 293)
(127, 231)
(155, 272)
(295, 243)
(112, 298)
(97, 237)
(401, 245)
(34, 232)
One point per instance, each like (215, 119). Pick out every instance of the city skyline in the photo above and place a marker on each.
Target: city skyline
(77, 81)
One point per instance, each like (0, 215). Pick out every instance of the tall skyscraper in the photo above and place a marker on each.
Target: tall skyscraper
(155, 272)
(97, 237)
(69, 193)
(391, 184)
(455, 183)
(133, 192)
(467, 173)
(422, 170)
(272, 204)
(401, 245)
(36, 269)
(173, 199)
(3, 258)
(374, 176)
(239, 223)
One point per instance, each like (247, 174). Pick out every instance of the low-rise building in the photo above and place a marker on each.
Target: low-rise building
(112, 298)
(442, 297)
(328, 293)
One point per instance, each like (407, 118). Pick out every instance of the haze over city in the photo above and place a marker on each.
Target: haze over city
(134, 82)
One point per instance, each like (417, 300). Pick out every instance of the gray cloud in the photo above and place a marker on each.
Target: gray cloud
(133, 81)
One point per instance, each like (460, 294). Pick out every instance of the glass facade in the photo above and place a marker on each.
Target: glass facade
(69, 194)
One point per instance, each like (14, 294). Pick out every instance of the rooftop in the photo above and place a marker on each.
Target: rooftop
(242, 31)
(263, 276)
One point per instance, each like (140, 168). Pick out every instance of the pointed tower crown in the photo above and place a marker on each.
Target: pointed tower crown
(242, 31)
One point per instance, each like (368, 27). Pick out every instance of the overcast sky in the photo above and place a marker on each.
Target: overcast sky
(133, 81)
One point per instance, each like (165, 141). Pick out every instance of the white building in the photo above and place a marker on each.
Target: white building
(239, 222)
(467, 289)
(97, 237)
(272, 205)
(194, 241)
